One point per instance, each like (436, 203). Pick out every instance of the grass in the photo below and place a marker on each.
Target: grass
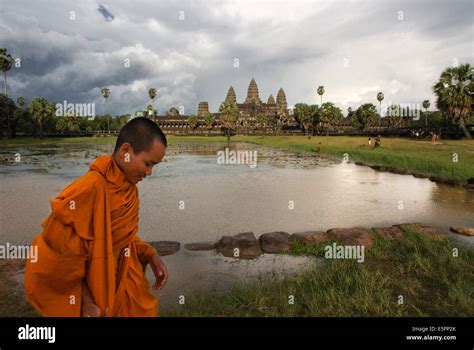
(422, 270)
(406, 155)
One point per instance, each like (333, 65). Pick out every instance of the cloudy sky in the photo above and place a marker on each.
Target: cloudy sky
(193, 51)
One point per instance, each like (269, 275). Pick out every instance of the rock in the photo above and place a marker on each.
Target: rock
(311, 237)
(390, 233)
(201, 246)
(465, 231)
(351, 236)
(425, 230)
(275, 242)
(246, 244)
(166, 247)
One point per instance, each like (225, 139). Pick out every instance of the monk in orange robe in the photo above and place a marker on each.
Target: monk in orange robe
(91, 262)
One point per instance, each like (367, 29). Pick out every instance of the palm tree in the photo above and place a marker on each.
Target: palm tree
(209, 120)
(6, 65)
(380, 98)
(41, 110)
(454, 91)
(21, 101)
(229, 111)
(106, 93)
(150, 111)
(321, 93)
(152, 94)
(192, 121)
(426, 105)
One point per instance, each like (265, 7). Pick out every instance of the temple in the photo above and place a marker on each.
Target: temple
(252, 114)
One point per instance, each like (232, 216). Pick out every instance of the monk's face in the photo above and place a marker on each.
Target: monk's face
(138, 166)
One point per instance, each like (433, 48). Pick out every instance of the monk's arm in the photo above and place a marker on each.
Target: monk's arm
(144, 251)
(149, 255)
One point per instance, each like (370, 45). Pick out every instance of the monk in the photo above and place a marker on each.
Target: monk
(91, 262)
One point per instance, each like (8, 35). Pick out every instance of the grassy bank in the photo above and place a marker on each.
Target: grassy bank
(405, 155)
(422, 270)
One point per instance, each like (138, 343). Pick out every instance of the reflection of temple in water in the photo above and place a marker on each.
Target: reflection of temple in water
(272, 114)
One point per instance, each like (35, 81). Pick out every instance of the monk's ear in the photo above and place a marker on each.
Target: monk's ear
(125, 152)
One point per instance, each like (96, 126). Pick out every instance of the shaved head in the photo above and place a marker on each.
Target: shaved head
(140, 133)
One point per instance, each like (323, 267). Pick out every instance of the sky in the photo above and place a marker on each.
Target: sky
(193, 51)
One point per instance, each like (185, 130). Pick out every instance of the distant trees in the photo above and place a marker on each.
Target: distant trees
(365, 116)
(307, 116)
(41, 110)
(329, 115)
(454, 91)
(229, 114)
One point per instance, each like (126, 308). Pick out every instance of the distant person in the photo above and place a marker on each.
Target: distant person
(433, 138)
(377, 142)
(370, 142)
(91, 263)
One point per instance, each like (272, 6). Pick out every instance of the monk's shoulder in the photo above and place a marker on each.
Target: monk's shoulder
(87, 185)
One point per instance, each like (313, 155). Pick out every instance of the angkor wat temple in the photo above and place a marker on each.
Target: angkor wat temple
(277, 118)
(276, 115)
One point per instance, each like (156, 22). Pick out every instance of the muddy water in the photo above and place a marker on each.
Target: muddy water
(286, 191)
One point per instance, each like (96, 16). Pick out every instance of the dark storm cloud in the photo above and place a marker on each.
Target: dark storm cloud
(188, 49)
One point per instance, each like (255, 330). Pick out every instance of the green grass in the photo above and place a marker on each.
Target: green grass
(422, 270)
(420, 157)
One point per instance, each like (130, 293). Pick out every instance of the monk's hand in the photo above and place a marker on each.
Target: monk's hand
(90, 310)
(159, 269)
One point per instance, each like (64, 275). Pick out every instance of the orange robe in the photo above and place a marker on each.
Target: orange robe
(91, 235)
